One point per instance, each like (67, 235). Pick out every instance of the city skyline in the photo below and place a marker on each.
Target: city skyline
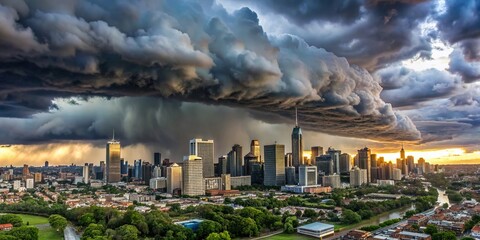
(159, 85)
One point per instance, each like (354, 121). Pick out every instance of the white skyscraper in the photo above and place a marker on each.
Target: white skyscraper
(174, 178)
(307, 175)
(358, 177)
(192, 172)
(86, 174)
(204, 149)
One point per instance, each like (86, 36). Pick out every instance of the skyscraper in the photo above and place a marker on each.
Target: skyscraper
(274, 169)
(307, 175)
(235, 161)
(204, 149)
(324, 164)
(335, 155)
(113, 161)
(157, 159)
(174, 178)
(25, 171)
(297, 144)
(421, 166)
(147, 172)
(192, 176)
(255, 149)
(288, 160)
(364, 161)
(402, 153)
(86, 174)
(358, 177)
(248, 161)
(316, 151)
(137, 168)
(345, 162)
(223, 167)
(46, 163)
(410, 163)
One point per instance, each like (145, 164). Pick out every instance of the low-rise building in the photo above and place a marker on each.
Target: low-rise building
(405, 235)
(316, 229)
(357, 235)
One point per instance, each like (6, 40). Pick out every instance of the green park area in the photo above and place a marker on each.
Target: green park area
(46, 232)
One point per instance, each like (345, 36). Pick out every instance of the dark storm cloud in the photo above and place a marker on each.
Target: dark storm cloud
(459, 64)
(368, 33)
(404, 87)
(173, 49)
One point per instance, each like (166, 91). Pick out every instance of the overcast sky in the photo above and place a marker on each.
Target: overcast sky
(373, 73)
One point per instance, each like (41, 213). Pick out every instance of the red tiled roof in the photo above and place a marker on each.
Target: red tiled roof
(476, 228)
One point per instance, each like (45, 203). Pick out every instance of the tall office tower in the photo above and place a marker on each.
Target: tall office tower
(401, 164)
(345, 162)
(92, 170)
(235, 161)
(192, 177)
(358, 176)
(335, 154)
(113, 161)
(364, 160)
(223, 167)
(25, 171)
(165, 163)
(373, 160)
(46, 163)
(257, 173)
(157, 172)
(86, 174)
(255, 149)
(402, 153)
(389, 170)
(332, 181)
(316, 151)
(174, 178)
(288, 160)
(290, 178)
(103, 168)
(204, 149)
(38, 177)
(307, 175)
(147, 170)
(137, 168)
(380, 161)
(123, 167)
(421, 166)
(248, 161)
(381, 172)
(397, 174)
(297, 144)
(410, 163)
(157, 159)
(373, 168)
(274, 168)
(324, 164)
(427, 167)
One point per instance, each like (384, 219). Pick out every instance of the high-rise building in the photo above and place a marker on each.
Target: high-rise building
(38, 177)
(25, 171)
(373, 160)
(147, 172)
(157, 172)
(332, 181)
(123, 167)
(307, 175)
(364, 161)
(248, 161)
(204, 149)
(402, 153)
(29, 183)
(46, 163)
(157, 159)
(274, 169)
(324, 164)
(137, 169)
(235, 161)
(257, 173)
(255, 149)
(192, 176)
(335, 156)
(297, 144)
(316, 151)
(358, 176)
(397, 174)
(86, 174)
(174, 178)
(421, 166)
(410, 163)
(290, 176)
(113, 161)
(345, 162)
(288, 160)
(402, 165)
(17, 184)
(223, 167)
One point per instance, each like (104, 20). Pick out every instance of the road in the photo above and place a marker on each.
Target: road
(70, 234)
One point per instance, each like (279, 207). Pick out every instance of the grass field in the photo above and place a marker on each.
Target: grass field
(45, 232)
(284, 236)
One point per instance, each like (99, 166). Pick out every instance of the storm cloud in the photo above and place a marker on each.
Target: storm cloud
(178, 51)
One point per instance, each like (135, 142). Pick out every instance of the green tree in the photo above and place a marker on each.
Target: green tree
(86, 219)
(467, 238)
(58, 222)
(136, 219)
(431, 229)
(15, 220)
(310, 213)
(444, 236)
(207, 227)
(350, 217)
(126, 232)
(24, 233)
(93, 230)
(219, 236)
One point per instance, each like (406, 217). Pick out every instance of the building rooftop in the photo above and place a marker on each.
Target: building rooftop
(414, 234)
(316, 226)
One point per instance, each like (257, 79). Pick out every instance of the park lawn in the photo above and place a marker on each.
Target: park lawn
(49, 234)
(285, 236)
(32, 219)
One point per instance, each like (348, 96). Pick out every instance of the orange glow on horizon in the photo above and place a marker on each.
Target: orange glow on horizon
(440, 156)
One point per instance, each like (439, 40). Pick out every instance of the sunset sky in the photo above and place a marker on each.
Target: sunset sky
(373, 73)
